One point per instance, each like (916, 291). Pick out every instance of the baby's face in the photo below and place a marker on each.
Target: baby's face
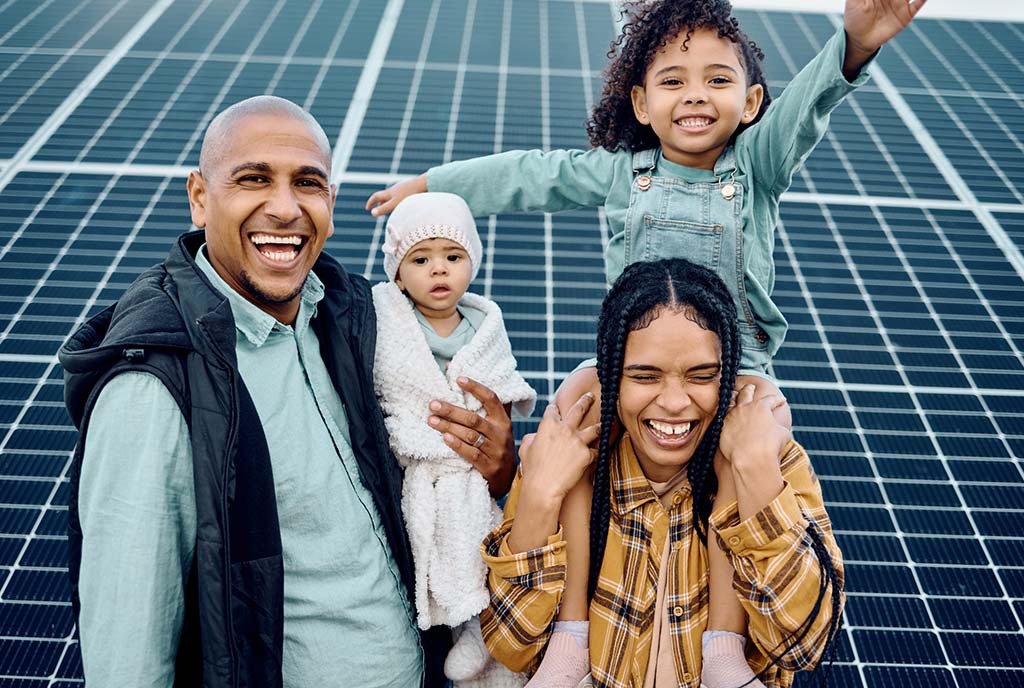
(435, 273)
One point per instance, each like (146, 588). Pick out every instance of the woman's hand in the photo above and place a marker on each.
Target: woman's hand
(751, 443)
(553, 461)
(871, 23)
(557, 455)
(384, 201)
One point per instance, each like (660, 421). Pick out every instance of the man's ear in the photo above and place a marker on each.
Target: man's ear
(639, 97)
(197, 198)
(334, 197)
(755, 96)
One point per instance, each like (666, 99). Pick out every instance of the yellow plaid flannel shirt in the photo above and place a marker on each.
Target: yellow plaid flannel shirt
(776, 578)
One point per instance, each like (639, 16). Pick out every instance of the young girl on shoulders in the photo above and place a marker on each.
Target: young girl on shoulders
(688, 161)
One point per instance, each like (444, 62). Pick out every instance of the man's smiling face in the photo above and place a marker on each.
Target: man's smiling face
(267, 205)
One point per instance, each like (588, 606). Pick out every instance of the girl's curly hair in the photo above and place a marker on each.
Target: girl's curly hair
(650, 26)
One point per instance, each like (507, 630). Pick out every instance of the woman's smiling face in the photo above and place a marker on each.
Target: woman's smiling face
(669, 392)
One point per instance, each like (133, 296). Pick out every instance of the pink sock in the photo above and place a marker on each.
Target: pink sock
(725, 665)
(565, 663)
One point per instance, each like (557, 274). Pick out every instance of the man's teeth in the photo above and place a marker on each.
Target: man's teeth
(280, 256)
(259, 239)
(694, 121)
(670, 428)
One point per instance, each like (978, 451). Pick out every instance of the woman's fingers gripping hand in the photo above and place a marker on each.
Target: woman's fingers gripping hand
(386, 200)
(555, 459)
(752, 435)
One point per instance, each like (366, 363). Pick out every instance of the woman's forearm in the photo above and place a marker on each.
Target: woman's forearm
(536, 518)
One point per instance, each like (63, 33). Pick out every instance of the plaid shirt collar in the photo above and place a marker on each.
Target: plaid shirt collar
(630, 488)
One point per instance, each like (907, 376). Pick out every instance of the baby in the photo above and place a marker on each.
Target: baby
(431, 332)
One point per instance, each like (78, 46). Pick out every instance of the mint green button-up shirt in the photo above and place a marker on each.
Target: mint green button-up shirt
(767, 156)
(346, 618)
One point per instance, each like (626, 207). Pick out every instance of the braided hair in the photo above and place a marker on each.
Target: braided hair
(649, 27)
(641, 294)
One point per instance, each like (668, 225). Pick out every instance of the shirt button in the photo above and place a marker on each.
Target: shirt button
(643, 182)
(728, 191)
(677, 544)
(761, 336)
(677, 611)
(687, 677)
(734, 540)
(677, 500)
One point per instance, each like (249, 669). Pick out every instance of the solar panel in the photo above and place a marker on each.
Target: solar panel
(898, 264)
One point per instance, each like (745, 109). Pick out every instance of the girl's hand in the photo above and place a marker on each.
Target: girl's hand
(555, 458)
(385, 200)
(752, 438)
(871, 23)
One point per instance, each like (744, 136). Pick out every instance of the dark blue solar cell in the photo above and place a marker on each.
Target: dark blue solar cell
(887, 611)
(946, 551)
(986, 678)
(973, 614)
(898, 647)
(910, 677)
(990, 650)
(959, 581)
(876, 578)
(941, 522)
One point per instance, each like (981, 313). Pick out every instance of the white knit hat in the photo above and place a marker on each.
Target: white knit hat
(428, 216)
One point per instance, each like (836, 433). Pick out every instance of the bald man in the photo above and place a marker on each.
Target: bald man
(234, 516)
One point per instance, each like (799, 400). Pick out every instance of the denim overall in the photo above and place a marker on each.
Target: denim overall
(669, 217)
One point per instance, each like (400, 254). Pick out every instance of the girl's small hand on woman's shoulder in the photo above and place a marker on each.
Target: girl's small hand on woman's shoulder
(752, 436)
(555, 458)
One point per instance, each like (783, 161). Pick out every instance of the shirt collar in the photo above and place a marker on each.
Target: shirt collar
(255, 324)
(630, 488)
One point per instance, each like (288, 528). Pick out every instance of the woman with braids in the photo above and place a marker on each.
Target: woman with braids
(688, 160)
(669, 447)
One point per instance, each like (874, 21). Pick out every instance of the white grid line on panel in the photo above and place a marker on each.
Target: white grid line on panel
(868, 126)
(388, 178)
(65, 169)
(356, 113)
(75, 98)
(285, 60)
(460, 80)
(588, 101)
(328, 60)
(499, 136)
(912, 395)
(968, 91)
(549, 259)
(916, 283)
(24, 54)
(938, 157)
(403, 129)
(991, 73)
(25, 20)
(861, 436)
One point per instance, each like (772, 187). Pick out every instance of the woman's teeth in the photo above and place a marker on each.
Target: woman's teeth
(670, 429)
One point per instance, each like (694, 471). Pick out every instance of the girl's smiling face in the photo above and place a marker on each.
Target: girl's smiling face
(695, 96)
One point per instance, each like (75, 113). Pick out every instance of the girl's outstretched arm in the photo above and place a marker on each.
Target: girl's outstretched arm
(386, 200)
(871, 23)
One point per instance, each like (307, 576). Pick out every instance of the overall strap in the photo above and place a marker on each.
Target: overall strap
(725, 166)
(644, 161)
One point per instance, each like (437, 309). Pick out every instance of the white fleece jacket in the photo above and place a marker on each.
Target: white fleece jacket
(448, 509)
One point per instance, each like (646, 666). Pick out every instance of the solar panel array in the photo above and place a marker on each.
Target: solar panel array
(898, 255)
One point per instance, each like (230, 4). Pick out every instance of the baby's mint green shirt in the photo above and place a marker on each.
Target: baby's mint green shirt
(346, 617)
(767, 155)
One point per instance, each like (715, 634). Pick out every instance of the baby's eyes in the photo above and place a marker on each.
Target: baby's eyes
(719, 80)
(419, 261)
(454, 258)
